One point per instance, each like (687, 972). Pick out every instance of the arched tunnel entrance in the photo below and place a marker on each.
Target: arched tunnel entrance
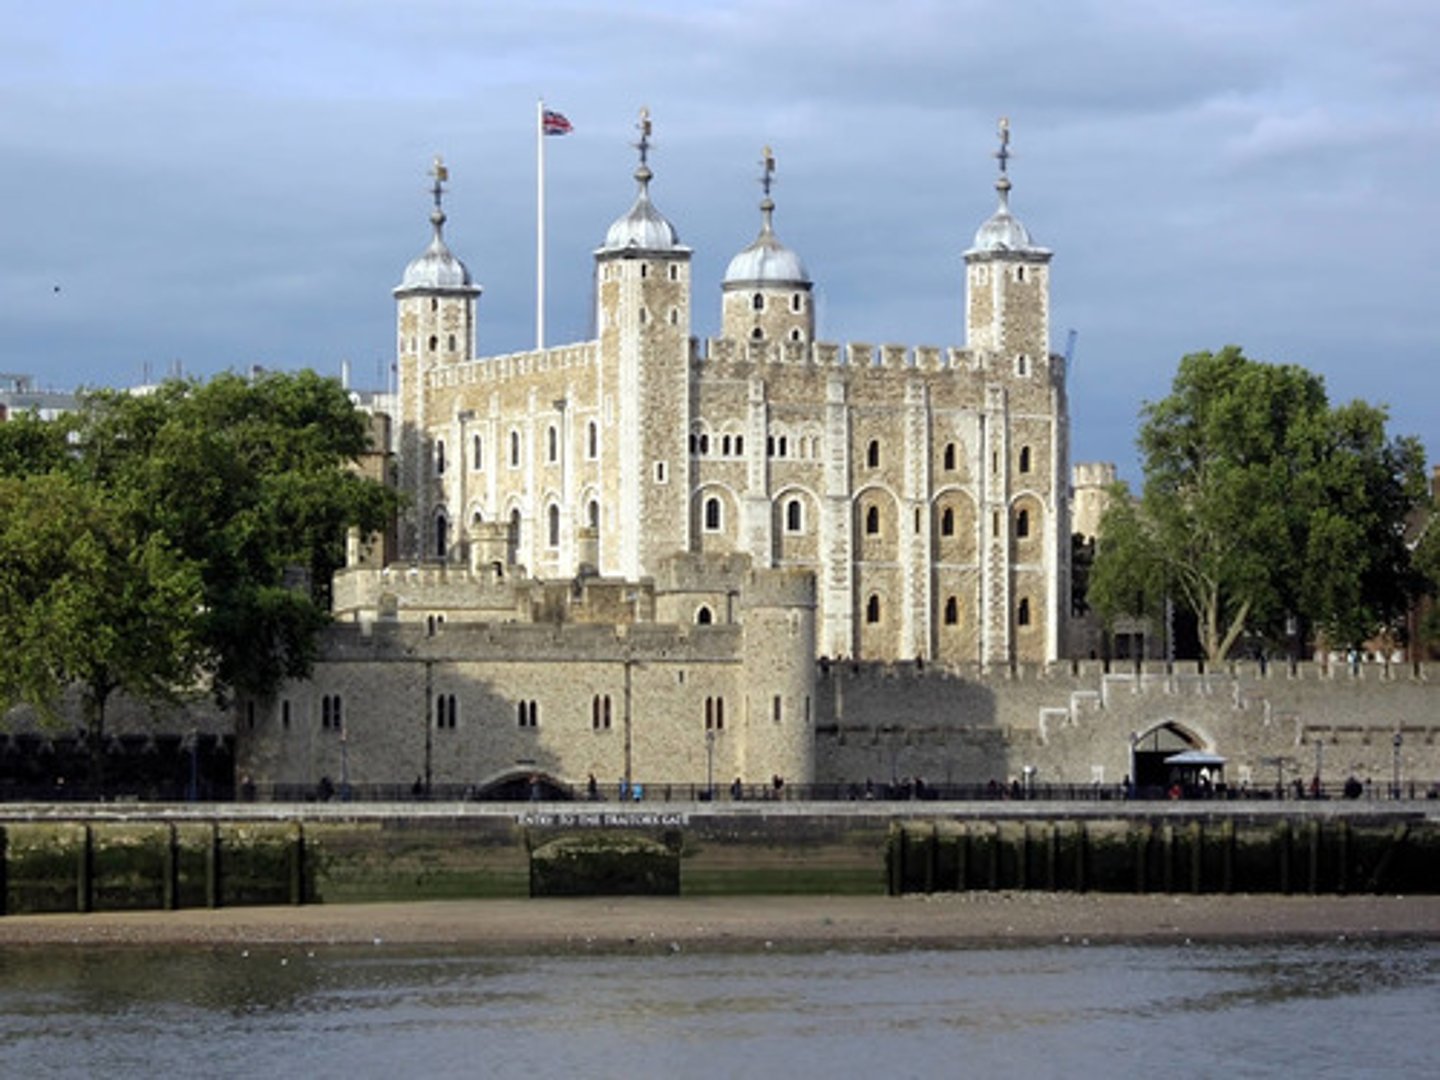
(1151, 775)
(529, 786)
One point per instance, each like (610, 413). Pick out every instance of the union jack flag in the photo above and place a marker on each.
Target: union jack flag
(554, 123)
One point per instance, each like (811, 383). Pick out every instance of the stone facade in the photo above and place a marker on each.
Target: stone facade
(647, 558)
(925, 487)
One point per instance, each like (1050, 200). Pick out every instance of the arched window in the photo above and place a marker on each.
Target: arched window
(442, 534)
(950, 457)
(1022, 524)
(514, 532)
(725, 446)
(872, 521)
(592, 440)
(592, 514)
(952, 611)
(739, 444)
(947, 522)
(553, 524)
(794, 516)
(434, 342)
(704, 443)
(439, 457)
(872, 608)
(784, 447)
(872, 454)
(552, 444)
(797, 303)
(1022, 612)
(451, 343)
(703, 617)
(757, 334)
(477, 452)
(758, 301)
(712, 514)
(1024, 459)
(514, 449)
(795, 335)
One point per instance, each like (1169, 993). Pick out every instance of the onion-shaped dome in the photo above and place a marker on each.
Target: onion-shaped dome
(642, 227)
(437, 266)
(1003, 232)
(766, 261)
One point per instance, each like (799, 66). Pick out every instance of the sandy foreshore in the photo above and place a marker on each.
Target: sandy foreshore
(754, 922)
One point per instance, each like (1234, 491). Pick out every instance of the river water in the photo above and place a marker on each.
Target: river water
(1296, 1010)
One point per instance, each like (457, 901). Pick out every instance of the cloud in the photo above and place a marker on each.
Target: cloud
(232, 180)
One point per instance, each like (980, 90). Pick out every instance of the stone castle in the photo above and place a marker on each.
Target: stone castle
(650, 558)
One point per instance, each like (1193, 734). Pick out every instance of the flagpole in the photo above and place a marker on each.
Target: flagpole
(540, 224)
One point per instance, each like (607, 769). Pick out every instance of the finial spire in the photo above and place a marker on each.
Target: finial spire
(767, 178)
(441, 174)
(1002, 185)
(642, 172)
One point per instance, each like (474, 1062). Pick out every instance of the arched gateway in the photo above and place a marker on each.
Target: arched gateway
(1170, 755)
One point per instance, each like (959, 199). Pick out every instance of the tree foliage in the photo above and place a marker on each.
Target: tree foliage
(86, 602)
(1262, 503)
(157, 539)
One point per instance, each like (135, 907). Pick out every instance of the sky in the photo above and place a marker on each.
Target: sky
(211, 186)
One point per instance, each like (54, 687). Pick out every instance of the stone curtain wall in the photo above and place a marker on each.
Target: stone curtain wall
(1072, 724)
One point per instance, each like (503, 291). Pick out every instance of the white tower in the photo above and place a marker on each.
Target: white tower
(435, 322)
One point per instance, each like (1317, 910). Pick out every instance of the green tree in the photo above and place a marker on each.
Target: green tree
(30, 445)
(251, 480)
(1261, 502)
(86, 602)
(162, 542)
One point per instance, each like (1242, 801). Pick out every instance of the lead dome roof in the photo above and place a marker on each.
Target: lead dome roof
(766, 261)
(437, 267)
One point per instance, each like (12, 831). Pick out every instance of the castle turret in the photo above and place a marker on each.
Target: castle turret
(1024, 523)
(643, 299)
(1008, 282)
(778, 614)
(435, 320)
(766, 292)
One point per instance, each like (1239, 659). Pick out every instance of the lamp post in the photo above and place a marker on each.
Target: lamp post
(710, 765)
(1396, 743)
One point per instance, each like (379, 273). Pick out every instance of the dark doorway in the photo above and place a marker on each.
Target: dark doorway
(1152, 776)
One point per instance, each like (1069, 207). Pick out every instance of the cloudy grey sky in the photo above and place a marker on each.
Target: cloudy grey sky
(232, 182)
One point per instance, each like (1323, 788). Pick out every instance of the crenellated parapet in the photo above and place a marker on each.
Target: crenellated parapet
(730, 358)
(580, 357)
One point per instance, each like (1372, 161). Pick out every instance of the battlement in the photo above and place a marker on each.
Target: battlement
(423, 593)
(1093, 474)
(703, 572)
(533, 642)
(735, 358)
(785, 587)
(488, 369)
